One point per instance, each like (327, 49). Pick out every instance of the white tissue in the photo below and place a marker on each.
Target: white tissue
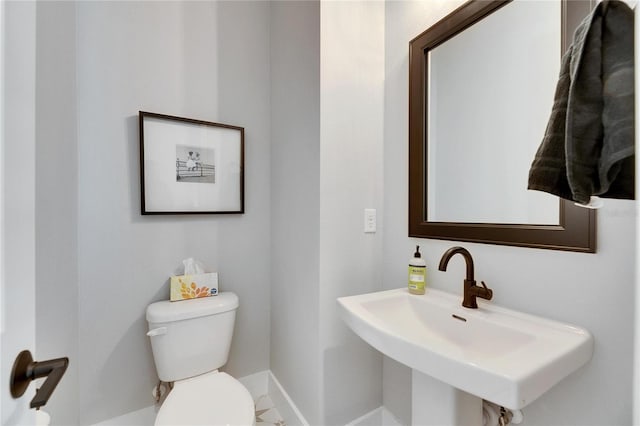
(192, 266)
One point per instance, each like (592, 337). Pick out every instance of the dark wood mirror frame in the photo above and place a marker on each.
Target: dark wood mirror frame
(577, 228)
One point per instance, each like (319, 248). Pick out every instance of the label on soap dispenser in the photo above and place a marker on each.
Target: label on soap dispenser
(417, 278)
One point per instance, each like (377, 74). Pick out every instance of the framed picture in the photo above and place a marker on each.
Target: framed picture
(190, 166)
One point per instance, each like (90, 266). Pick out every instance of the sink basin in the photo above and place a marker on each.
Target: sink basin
(503, 356)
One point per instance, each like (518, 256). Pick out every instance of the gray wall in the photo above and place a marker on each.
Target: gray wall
(295, 202)
(594, 291)
(215, 61)
(351, 132)
(327, 103)
(18, 198)
(203, 60)
(57, 200)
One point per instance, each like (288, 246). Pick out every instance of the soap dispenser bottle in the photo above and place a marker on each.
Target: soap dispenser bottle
(417, 273)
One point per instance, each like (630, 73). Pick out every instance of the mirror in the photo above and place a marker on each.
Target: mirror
(482, 82)
(484, 145)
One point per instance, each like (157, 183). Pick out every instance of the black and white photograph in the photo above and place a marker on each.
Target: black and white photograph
(195, 164)
(190, 166)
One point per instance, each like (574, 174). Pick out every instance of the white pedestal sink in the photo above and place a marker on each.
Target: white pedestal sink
(503, 356)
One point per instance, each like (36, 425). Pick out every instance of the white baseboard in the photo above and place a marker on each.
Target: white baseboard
(283, 403)
(265, 383)
(378, 417)
(389, 419)
(257, 383)
(143, 417)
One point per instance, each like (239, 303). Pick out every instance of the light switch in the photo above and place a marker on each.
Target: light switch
(369, 220)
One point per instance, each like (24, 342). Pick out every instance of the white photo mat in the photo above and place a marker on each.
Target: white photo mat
(190, 166)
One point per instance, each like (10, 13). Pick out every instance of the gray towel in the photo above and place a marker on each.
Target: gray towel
(588, 146)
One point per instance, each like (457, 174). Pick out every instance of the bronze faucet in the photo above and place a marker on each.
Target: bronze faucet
(471, 290)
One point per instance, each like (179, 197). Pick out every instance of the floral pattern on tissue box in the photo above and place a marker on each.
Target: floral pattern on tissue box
(185, 287)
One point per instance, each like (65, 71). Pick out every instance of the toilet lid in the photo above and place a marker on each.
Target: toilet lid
(209, 399)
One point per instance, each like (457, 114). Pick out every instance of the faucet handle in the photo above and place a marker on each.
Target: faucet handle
(488, 293)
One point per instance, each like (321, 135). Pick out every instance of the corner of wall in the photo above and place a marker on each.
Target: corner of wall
(56, 200)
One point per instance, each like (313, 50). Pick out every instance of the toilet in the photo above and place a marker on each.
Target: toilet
(190, 340)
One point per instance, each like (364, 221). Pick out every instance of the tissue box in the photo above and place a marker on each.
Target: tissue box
(193, 286)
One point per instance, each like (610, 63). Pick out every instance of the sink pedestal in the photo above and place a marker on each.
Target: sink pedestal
(435, 403)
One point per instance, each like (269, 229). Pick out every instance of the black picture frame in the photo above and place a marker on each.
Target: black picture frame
(190, 166)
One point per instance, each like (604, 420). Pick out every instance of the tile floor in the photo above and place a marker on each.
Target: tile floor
(266, 412)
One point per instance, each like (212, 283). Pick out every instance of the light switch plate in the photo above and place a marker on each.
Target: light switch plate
(369, 220)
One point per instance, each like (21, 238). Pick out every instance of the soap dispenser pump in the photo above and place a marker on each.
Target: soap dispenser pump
(417, 273)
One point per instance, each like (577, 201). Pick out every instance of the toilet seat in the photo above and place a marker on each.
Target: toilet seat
(210, 399)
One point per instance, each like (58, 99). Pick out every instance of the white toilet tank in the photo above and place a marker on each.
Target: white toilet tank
(191, 337)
